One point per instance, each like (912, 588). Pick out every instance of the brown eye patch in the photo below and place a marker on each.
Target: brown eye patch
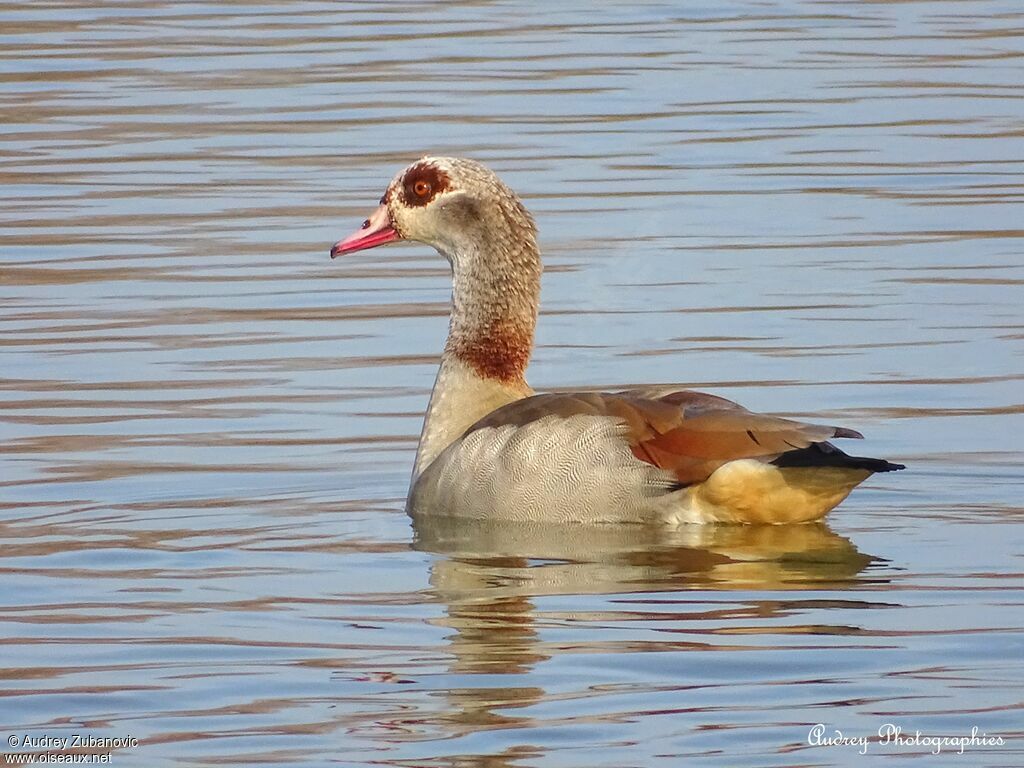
(422, 183)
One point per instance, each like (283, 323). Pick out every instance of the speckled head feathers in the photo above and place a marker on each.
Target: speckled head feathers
(462, 209)
(456, 205)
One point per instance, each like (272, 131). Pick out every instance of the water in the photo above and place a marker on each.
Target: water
(207, 426)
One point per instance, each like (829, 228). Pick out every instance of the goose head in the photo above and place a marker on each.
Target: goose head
(467, 214)
(456, 205)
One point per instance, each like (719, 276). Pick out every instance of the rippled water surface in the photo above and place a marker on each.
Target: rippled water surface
(207, 427)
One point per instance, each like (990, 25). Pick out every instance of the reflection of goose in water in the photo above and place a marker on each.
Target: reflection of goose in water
(530, 559)
(489, 571)
(491, 448)
(500, 582)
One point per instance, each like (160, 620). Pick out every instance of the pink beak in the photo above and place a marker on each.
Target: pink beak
(375, 231)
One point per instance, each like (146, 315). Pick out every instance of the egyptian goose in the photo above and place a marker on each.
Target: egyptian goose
(491, 448)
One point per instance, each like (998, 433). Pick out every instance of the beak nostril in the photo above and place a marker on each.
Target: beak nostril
(366, 224)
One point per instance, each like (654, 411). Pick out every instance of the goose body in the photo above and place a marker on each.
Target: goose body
(492, 448)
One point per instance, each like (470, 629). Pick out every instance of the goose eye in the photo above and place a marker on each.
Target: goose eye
(422, 183)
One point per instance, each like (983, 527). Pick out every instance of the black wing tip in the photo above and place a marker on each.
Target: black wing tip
(827, 455)
(888, 466)
(858, 462)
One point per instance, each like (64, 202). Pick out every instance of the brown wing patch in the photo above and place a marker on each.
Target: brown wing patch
(701, 443)
(689, 434)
